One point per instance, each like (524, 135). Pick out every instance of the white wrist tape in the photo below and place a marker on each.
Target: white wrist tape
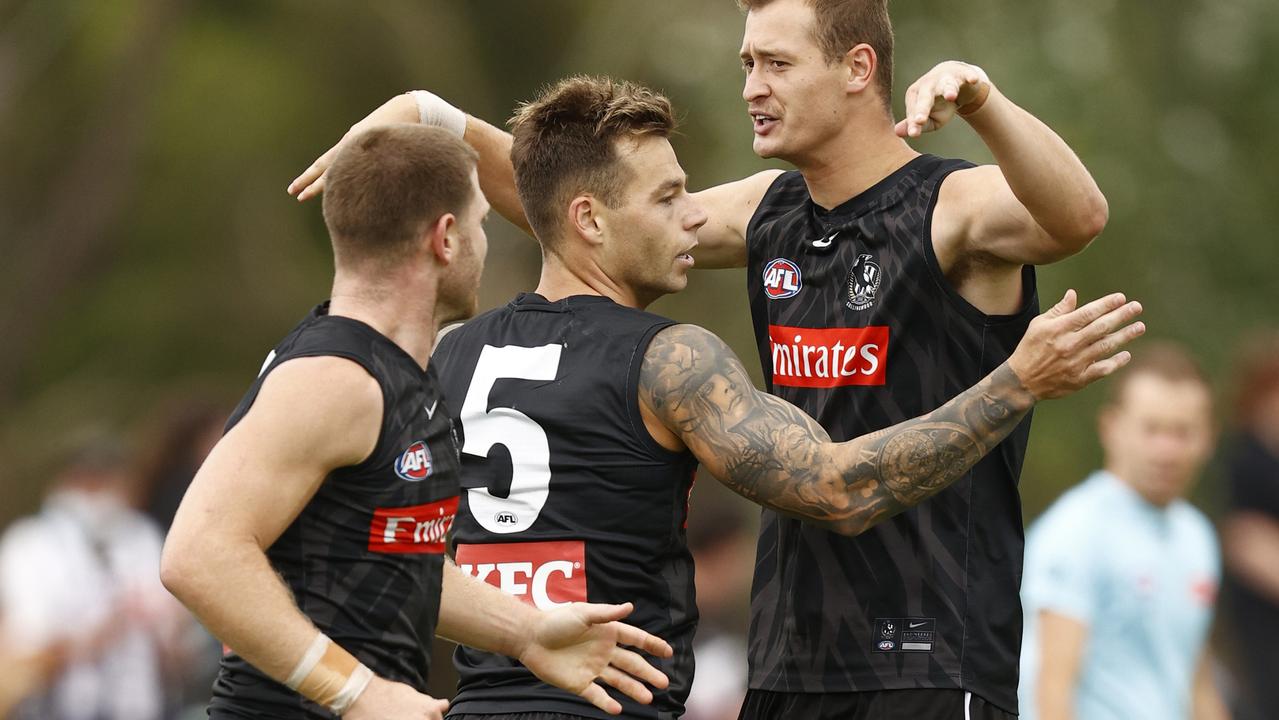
(350, 692)
(434, 110)
(329, 675)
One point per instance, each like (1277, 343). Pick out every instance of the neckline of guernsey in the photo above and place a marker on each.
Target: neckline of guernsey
(322, 311)
(532, 299)
(881, 194)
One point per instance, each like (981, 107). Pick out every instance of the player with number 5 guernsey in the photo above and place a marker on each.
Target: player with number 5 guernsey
(583, 416)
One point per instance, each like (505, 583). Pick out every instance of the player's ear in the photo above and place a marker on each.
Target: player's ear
(859, 64)
(585, 220)
(443, 239)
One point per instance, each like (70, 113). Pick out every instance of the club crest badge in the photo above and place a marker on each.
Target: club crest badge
(863, 282)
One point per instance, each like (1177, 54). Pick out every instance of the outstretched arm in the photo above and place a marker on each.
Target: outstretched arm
(769, 451)
(497, 178)
(570, 647)
(1038, 205)
(721, 242)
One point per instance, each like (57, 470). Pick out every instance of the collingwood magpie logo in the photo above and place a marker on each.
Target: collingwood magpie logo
(863, 282)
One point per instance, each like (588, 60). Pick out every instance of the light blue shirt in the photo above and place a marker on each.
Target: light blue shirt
(1142, 578)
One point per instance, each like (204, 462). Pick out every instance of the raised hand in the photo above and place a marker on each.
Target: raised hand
(572, 647)
(950, 87)
(399, 109)
(1069, 347)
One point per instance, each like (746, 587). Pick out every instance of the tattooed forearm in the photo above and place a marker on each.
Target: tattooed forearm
(771, 452)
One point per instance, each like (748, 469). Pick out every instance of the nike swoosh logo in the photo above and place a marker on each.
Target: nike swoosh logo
(430, 411)
(915, 625)
(825, 241)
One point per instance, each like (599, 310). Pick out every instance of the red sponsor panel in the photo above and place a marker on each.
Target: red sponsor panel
(543, 574)
(415, 529)
(829, 357)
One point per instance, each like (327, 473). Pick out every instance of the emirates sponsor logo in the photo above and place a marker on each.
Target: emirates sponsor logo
(416, 529)
(828, 357)
(543, 574)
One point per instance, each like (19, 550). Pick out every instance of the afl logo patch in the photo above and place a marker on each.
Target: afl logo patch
(781, 279)
(415, 464)
(863, 282)
(886, 645)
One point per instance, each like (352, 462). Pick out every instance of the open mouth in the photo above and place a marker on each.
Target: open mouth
(763, 122)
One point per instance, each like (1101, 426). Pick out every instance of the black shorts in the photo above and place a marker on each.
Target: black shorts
(921, 704)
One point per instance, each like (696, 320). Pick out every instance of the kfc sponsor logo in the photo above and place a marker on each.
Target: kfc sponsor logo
(415, 464)
(544, 574)
(782, 279)
(828, 357)
(416, 529)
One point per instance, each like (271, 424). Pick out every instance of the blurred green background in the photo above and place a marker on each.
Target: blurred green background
(149, 253)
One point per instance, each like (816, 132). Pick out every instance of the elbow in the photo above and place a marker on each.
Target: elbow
(179, 570)
(1088, 224)
(1071, 234)
(1094, 219)
(172, 573)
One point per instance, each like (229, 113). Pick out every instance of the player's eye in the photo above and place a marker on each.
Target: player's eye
(748, 65)
(777, 64)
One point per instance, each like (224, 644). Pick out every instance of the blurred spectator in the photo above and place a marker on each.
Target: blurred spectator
(181, 435)
(1121, 572)
(723, 546)
(85, 619)
(1250, 533)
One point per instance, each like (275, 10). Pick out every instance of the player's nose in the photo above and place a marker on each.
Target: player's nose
(697, 218)
(754, 88)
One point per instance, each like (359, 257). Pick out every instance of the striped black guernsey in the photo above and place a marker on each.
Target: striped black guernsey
(567, 495)
(364, 558)
(857, 325)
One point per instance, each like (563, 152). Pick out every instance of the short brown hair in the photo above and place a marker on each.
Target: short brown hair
(388, 183)
(840, 25)
(1257, 373)
(564, 144)
(1165, 360)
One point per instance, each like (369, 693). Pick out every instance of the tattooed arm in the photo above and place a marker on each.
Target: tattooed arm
(770, 452)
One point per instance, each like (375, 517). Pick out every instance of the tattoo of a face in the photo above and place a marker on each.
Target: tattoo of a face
(769, 451)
